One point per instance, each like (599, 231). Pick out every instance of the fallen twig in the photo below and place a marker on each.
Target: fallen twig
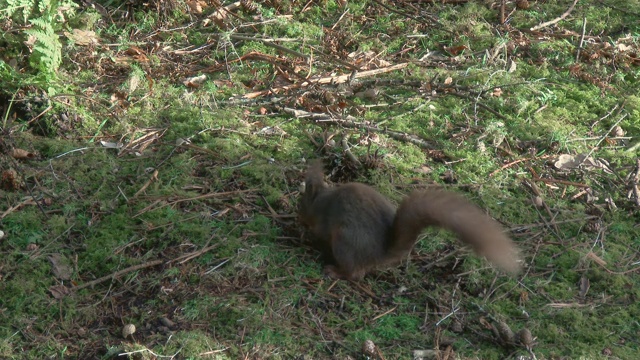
(556, 20)
(508, 165)
(563, 182)
(603, 138)
(201, 197)
(603, 265)
(117, 274)
(634, 183)
(350, 122)
(530, 226)
(180, 259)
(154, 177)
(536, 191)
(338, 79)
(28, 201)
(384, 313)
(584, 29)
(347, 150)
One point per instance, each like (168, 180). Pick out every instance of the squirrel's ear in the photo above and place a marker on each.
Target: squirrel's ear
(314, 181)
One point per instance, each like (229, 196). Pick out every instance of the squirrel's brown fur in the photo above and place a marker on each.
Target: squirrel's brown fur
(359, 230)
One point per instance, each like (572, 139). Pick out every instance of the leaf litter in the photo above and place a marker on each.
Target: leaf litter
(317, 86)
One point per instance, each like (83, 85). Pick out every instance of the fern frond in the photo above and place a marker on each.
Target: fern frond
(47, 48)
(26, 8)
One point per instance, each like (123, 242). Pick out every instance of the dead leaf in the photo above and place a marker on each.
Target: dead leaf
(31, 41)
(137, 54)
(223, 83)
(565, 162)
(59, 291)
(497, 92)
(623, 47)
(111, 145)
(369, 94)
(220, 16)
(21, 154)
(569, 162)
(82, 37)
(195, 81)
(196, 6)
(455, 50)
(448, 80)
(10, 180)
(272, 131)
(60, 266)
(424, 169)
(134, 81)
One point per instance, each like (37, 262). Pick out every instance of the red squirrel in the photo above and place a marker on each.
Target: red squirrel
(359, 230)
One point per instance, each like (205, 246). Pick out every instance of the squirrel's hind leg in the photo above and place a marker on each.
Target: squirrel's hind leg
(345, 258)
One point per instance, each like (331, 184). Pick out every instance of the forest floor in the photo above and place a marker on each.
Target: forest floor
(152, 181)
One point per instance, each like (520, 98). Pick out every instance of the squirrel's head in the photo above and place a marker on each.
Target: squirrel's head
(313, 185)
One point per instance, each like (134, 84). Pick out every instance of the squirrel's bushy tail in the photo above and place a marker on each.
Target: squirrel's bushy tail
(453, 212)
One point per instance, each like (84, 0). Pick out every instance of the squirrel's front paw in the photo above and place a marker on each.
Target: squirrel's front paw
(333, 272)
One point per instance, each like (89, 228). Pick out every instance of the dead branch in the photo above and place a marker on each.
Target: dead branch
(350, 122)
(338, 79)
(200, 197)
(117, 274)
(508, 165)
(181, 259)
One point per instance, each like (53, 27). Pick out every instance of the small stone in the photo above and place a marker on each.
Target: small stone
(456, 327)
(128, 330)
(369, 348)
(166, 322)
(537, 201)
(505, 332)
(618, 131)
(525, 337)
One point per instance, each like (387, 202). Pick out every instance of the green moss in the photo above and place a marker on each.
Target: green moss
(260, 292)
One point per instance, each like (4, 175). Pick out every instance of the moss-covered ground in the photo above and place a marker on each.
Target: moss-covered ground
(159, 173)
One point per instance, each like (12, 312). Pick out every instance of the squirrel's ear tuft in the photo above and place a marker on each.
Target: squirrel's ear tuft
(314, 181)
